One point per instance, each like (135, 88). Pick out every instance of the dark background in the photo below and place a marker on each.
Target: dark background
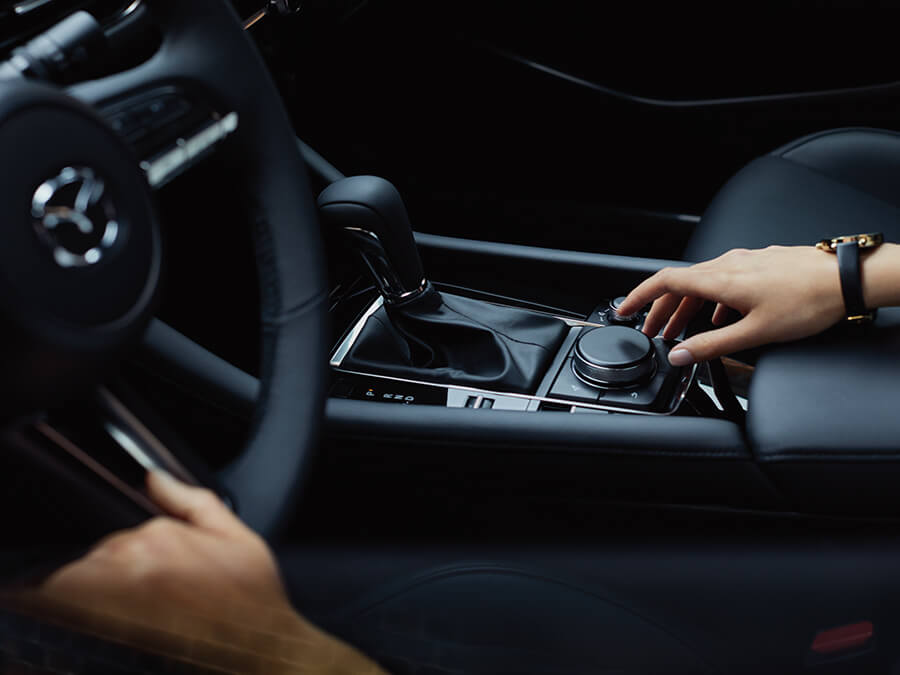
(438, 98)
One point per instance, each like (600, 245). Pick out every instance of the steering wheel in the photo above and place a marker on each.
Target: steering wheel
(81, 259)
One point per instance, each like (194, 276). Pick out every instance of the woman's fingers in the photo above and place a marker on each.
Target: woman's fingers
(693, 281)
(659, 313)
(646, 292)
(685, 312)
(197, 506)
(722, 314)
(743, 334)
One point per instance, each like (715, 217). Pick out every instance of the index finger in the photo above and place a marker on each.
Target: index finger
(684, 281)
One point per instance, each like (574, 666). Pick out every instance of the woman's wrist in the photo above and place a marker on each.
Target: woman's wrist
(881, 276)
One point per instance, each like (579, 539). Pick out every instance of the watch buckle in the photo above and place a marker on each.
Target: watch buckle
(870, 240)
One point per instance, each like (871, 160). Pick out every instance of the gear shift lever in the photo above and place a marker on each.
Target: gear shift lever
(371, 211)
(421, 334)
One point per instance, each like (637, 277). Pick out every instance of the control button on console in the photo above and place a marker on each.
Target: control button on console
(569, 387)
(614, 313)
(616, 356)
(510, 403)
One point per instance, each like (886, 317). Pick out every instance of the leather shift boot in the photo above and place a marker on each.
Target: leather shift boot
(454, 340)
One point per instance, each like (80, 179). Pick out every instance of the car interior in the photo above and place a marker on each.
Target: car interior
(354, 264)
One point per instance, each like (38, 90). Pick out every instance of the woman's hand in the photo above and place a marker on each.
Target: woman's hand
(781, 293)
(197, 586)
(201, 558)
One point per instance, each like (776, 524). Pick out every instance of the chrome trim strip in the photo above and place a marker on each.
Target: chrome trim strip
(131, 9)
(345, 345)
(350, 339)
(409, 295)
(709, 391)
(487, 393)
(170, 163)
(79, 455)
(127, 443)
(376, 258)
(644, 374)
(129, 432)
(21, 8)
(596, 375)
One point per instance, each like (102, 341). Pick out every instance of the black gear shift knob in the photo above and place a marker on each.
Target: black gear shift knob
(370, 211)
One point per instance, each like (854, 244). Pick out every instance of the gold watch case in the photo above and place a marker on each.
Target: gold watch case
(870, 240)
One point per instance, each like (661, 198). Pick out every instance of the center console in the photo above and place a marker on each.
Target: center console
(419, 344)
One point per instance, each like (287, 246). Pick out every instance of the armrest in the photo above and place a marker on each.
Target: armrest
(824, 418)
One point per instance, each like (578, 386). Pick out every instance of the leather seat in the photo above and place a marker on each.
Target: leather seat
(841, 181)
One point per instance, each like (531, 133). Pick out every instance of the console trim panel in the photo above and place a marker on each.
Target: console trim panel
(534, 401)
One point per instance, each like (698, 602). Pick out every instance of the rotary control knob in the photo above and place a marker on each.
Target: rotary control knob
(615, 356)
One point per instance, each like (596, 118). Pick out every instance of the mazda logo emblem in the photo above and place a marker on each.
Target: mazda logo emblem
(75, 217)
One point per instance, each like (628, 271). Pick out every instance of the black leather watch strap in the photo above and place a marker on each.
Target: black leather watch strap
(851, 279)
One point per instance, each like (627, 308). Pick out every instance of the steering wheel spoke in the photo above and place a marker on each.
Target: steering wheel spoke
(171, 127)
(102, 443)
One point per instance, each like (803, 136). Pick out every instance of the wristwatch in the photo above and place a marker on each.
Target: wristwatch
(847, 248)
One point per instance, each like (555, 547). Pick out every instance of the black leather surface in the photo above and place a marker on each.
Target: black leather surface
(374, 205)
(634, 435)
(558, 456)
(823, 419)
(451, 339)
(834, 398)
(836, 182)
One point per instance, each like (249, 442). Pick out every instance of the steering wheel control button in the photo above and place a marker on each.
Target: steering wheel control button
(616, 356)
(569, 387)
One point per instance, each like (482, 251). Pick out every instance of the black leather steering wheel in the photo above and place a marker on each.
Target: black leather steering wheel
(72, 318)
